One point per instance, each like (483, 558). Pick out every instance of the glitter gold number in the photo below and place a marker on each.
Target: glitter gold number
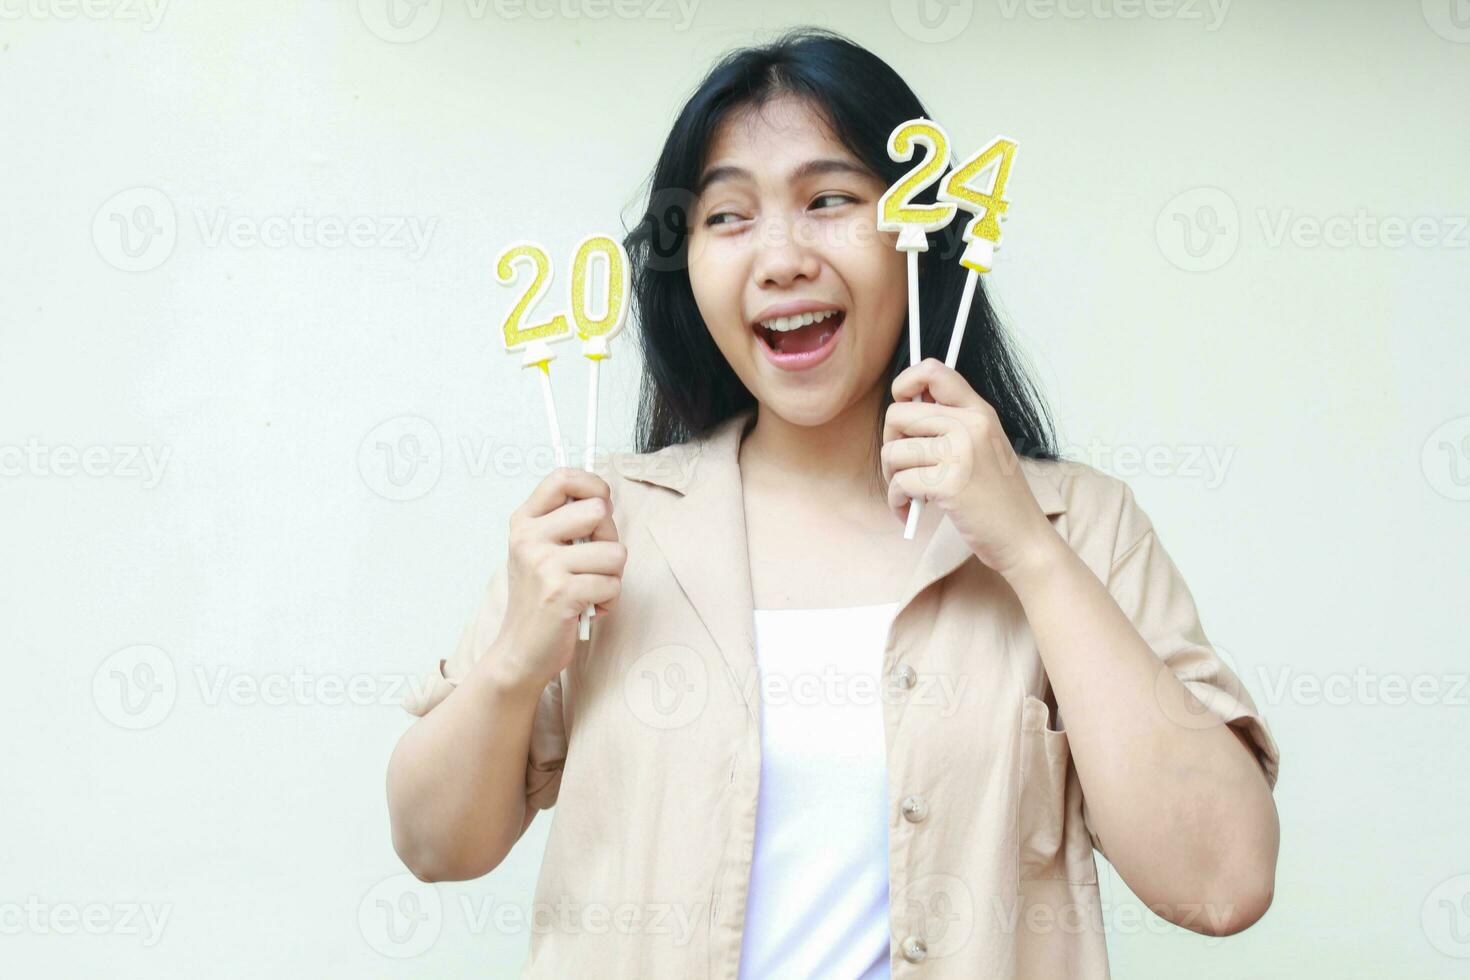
(515, 334)
(595, 331)
(987, 204)
(895, 208)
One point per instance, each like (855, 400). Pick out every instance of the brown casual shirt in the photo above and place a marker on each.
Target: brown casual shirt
(649, 741)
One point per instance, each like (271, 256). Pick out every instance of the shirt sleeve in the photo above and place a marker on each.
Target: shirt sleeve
(548, 732)
(1149, 588)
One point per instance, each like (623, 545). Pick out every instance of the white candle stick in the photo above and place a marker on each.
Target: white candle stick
(584, 622)
(913, 222)
(957, 336)
(596, 333)
(590, 456)
(557, 446)
(911, 526)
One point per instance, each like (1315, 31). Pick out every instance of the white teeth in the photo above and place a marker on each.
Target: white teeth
(784, 323)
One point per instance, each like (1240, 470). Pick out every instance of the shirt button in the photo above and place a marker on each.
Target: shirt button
(914, 949)
(915, 808)
(907, 676)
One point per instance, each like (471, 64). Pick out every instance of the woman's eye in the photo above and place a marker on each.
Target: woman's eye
(715, 219)
(835, 198)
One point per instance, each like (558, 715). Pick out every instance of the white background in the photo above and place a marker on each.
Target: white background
(326, 502)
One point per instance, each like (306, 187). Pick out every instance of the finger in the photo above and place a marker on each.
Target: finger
(578, 519)
(606, 530)
(592, 557)
(599, 590)
(900, 454)
(916, 483)
(561, 483)
(942, 383)
(905, 420)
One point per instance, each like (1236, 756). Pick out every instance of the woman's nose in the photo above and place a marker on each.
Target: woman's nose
(782, 255)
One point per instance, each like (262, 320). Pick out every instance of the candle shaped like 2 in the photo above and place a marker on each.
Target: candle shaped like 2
(913, 222)
(534, 341)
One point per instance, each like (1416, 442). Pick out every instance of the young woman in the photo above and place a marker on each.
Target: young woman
(797, 744)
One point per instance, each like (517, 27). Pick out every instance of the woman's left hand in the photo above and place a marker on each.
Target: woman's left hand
(954, 454)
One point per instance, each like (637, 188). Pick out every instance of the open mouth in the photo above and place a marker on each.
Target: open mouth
(801, 334)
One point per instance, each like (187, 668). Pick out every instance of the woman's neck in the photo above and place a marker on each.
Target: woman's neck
(835, 457)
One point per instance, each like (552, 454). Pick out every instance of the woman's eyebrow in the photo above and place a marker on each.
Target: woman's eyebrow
(811, 168)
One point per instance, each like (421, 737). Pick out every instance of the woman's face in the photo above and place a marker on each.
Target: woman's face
(783, 231)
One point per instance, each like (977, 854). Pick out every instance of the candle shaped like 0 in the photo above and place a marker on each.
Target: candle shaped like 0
(597, 332)
(913, 222)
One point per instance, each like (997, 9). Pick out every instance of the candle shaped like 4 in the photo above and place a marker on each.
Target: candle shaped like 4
(990, 167)
(597, 324)
(914, 222)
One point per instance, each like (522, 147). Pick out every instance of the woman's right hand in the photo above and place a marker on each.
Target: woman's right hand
(551, 579)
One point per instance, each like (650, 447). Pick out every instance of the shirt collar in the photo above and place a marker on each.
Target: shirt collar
(678, 467)
(701, 533)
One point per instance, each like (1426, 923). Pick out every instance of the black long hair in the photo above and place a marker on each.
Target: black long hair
(688, 387)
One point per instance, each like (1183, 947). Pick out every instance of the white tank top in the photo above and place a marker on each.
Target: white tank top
(818, 901)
